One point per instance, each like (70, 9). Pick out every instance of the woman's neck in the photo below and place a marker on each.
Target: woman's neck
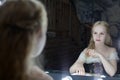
(100, 47)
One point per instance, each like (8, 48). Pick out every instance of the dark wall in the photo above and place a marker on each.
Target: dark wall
(66, 37)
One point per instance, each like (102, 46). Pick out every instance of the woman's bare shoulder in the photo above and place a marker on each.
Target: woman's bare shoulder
(112, 49)
(85, 49)
(113, 54)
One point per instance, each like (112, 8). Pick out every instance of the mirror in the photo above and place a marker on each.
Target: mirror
(69, 27)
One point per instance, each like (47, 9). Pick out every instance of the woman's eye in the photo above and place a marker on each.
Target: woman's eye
(102, 33)
(94, 33)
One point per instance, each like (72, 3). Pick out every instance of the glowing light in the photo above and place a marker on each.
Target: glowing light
(103, 76)
(99, 79)
(46, 72)
(2, 1)
(67, 78)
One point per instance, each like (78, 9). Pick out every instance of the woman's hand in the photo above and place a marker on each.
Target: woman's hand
(93, 53)
(77, 69)
(80, 70)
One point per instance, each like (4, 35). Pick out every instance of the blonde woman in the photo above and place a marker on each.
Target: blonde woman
(99, 53)
(23, 26)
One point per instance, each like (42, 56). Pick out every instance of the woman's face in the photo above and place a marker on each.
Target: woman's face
(99, 34)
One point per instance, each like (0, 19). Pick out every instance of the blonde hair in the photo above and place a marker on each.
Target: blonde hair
(20, 21)
(108, 40)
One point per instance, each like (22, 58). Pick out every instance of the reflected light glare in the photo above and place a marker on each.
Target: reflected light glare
(96, 78)
(46, 72)
(1, 2)
(67, 78)
(99, 79)
(103, 76)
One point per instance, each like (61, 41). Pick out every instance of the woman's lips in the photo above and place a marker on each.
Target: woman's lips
(97, 39)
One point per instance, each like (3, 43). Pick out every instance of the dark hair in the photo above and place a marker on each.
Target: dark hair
(19, 23)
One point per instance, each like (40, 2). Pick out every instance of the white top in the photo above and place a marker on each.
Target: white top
(90, 59)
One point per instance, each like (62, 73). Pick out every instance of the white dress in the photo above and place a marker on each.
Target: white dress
(94, 64)
(89, 59)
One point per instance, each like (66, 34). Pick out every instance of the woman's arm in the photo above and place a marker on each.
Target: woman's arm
(109, 66)
(78, 68)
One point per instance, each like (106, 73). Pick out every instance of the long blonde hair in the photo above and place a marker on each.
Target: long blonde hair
(20, 20)
(108, 40)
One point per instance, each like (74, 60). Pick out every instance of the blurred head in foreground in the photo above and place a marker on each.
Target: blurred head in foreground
(23, 26)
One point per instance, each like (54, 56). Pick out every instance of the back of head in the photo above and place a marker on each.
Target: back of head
(20, 20)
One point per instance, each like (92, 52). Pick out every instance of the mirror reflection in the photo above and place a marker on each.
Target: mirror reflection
(69, 32)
